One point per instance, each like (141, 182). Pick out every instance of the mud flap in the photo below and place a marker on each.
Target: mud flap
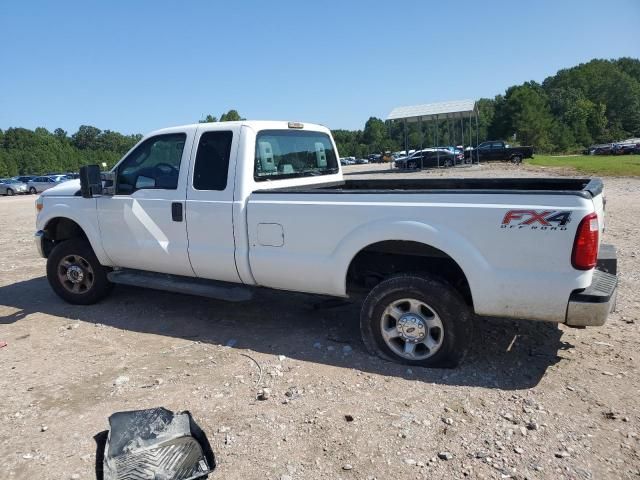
(156, 444)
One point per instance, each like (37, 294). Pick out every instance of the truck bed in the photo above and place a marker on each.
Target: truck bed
(583, 187)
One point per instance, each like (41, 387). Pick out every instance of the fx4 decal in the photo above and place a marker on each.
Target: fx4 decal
(536, 219)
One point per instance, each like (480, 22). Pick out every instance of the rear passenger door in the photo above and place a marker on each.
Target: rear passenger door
(497, 151)
(484, 151)
(210, 204)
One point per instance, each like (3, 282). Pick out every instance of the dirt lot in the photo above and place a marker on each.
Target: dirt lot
(532, 400)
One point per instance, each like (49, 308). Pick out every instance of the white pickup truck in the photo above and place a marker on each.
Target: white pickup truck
(220, 209)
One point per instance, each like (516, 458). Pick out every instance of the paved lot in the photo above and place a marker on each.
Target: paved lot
(532, 400)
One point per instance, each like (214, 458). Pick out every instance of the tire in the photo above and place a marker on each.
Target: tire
(75, 274)
(10, 192)
(448, 331)
(33, 190)
(412, 165)
(517, 159)
(448, 163)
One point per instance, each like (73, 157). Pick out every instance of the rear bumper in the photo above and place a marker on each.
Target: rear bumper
(590, 306)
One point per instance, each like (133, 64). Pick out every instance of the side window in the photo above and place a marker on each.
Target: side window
(484, 146)
(154, 164)
(497, 145)
(212, 161)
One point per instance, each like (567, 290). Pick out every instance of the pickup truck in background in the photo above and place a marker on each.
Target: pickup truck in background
(221, 209)
(499, 151)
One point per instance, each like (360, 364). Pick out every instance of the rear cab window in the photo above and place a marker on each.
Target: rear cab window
(212, 161)
(284, 154)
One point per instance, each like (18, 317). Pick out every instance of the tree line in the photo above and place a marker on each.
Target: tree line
(594, 102)
(39, 151)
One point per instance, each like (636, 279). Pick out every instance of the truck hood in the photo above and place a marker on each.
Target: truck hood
(64, 189)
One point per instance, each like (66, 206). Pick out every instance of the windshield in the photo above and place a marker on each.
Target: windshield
(293, 153)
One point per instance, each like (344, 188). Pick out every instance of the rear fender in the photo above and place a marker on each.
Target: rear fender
(463, 252)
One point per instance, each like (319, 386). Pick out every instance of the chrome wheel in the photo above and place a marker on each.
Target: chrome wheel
(75, 274)
(412, 329)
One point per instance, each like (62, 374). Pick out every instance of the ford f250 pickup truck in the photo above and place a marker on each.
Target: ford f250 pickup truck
(220, 209)
(494, 150)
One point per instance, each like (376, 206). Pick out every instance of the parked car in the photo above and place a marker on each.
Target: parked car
(602, 149)
(347, 161)
(190, 213)
(361, 161)
(375, 158)
(9, 187)
(40, 184)
(625, 148)
(429, 158)
(23, 178)
(495, 150)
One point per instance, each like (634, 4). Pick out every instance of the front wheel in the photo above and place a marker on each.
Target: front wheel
(416, 320)
(75, 274)
(33, 190)
(9, 192)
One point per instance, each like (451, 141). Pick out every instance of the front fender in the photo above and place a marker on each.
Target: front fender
(462, 251)
(82, 211)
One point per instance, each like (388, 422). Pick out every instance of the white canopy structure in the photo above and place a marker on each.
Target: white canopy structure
(432, 111)
(450, 111)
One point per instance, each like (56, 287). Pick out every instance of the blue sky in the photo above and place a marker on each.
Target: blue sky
(134, 66)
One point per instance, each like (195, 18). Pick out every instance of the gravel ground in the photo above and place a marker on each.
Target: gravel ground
(532, 400)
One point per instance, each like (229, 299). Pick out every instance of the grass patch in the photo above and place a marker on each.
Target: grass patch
(620, 165)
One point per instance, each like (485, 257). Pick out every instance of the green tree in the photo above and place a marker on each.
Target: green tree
(374, 136)
(231, 116)
(60, 134)
(86, 137)
(208, 119)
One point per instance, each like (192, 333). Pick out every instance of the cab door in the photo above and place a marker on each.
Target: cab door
(142, 225)
(210, 203)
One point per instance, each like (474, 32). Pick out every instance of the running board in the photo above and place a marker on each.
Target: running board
(201, 287)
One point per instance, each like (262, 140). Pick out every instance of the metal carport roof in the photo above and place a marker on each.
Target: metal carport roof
(431, 111)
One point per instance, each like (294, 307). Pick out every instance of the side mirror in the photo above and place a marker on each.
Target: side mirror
(90, 181)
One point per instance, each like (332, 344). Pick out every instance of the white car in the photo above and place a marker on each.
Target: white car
(221, 209)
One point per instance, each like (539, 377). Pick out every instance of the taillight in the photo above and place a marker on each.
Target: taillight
(585, 246)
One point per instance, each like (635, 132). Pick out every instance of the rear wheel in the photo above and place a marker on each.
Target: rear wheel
(517, 159)
(33, 190)
(416, 320)
(10, 192)
(75, 274)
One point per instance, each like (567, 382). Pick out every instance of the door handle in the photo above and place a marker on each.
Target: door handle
(176, 211)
